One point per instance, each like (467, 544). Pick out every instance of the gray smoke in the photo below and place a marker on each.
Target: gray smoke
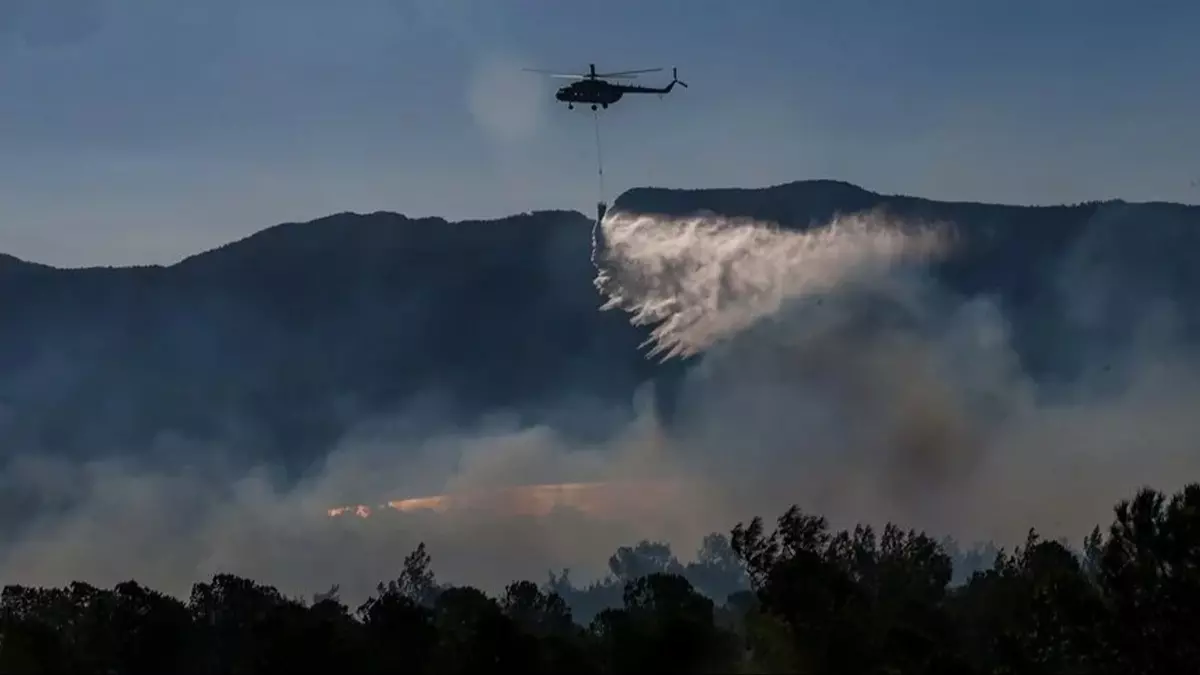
(839, 375)
(836, 373)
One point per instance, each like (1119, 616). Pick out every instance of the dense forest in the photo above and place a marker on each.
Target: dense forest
(815, 601)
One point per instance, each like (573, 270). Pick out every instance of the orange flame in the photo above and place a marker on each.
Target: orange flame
(593, 499)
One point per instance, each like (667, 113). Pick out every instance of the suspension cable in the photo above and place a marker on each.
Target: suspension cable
(599, 154)
(601, 204)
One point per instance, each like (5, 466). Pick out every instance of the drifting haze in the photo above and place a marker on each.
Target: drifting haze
(836, 374)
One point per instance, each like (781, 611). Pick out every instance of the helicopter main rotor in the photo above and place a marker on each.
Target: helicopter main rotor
(593, 75)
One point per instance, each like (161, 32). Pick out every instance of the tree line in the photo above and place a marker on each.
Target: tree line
(797, 598)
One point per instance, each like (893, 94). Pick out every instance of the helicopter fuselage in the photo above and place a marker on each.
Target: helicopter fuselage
(601, 93)
(590, 91)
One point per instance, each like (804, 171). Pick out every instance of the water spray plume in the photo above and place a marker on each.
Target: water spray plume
(705, 278)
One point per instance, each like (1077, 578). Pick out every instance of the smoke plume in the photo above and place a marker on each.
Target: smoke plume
(834, 372)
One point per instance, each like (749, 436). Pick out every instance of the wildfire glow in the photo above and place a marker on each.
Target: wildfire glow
(597, 499)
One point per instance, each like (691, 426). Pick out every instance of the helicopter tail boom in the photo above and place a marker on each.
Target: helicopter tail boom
(657, 90)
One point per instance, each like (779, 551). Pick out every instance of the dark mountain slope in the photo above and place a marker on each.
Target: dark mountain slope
(275, 343)
(295, 331)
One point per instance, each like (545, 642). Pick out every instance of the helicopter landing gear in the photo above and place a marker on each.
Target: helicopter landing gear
(570, 106)
(604, 105)
(593, 106)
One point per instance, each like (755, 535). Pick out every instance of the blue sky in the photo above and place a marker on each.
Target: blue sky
(141, 131)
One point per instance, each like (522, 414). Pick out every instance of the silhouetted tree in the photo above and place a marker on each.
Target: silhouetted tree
(717, 571)
(664, 626)
(417, 580)
(474, 634)
(1035, 611)
(547, 617)
(631, 563)
(1150, 568)
(398, 632)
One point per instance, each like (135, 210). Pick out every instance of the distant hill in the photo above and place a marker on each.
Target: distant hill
(282, 339)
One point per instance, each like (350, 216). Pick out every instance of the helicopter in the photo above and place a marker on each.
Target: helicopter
(595, 89)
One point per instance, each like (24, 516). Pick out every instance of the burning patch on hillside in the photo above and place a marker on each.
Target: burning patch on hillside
(601, 500)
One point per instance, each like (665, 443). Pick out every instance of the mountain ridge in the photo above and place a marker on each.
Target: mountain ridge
(274, 345)
(647, 199)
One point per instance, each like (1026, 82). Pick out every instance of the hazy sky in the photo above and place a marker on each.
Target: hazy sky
(140, 131)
